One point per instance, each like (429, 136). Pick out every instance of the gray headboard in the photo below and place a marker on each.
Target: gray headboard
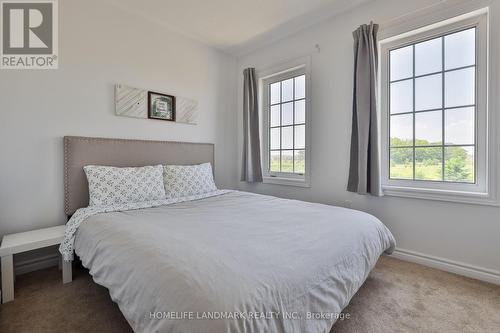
(81, 151)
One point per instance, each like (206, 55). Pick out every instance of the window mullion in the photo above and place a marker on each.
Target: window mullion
(281, 124)
(268, 107)
(443, 112)
(414, 138)
(476, 85)
(293, 124)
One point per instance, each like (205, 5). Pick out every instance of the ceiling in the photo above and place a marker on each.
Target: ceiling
(236, 26)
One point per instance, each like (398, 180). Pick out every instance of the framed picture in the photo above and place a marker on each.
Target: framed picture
(161, 106)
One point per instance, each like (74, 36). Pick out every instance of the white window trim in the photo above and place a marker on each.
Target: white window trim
(485, 189)
(281, 72)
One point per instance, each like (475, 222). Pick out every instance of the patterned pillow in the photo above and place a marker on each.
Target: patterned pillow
(184, 180)
(112, 185)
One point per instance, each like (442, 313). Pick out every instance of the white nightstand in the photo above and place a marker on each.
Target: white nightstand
(27, 241)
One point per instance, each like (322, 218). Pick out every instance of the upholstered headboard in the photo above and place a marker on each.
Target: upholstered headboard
(81, 151)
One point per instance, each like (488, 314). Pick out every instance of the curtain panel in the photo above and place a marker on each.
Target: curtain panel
(364, 170)
(251, 170)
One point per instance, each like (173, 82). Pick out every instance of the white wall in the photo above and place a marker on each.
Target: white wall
(101, 45)
(468, 234)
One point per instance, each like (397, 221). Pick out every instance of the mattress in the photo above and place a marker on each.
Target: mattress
(236, 262)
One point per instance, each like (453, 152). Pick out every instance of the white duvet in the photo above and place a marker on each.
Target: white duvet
(233, 262)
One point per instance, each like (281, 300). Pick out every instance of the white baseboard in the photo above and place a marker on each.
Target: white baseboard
(35, 264)
(451, 266)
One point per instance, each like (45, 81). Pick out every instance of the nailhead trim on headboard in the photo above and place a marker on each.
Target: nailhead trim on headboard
(66, 181)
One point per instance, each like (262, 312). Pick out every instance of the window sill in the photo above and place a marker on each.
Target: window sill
(286, 181)
(477, 198)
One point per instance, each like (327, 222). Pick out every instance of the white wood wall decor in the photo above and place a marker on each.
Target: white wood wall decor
(132, 102)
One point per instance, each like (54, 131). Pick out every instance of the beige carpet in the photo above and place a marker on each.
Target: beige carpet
(397, 297)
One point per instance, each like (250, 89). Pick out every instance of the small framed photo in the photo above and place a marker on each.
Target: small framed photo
(161, 106)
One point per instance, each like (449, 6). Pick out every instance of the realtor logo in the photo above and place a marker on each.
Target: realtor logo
(29, 35)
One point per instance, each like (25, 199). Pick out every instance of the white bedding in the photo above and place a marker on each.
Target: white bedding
(261, 262)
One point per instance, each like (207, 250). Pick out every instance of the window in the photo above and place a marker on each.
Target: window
(434, 111)
(285, 126)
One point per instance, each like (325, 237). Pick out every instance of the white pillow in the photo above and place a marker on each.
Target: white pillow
(186, 180)
(112, 185)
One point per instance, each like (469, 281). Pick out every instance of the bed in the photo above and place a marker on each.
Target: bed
(228, 261)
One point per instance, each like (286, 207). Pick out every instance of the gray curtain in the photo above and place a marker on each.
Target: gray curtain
(251, 168)
(364, 170)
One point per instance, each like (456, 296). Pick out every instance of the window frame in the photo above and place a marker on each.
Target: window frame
(480, 191)
(266, 78)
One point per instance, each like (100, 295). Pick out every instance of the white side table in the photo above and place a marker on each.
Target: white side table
(27, 241)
